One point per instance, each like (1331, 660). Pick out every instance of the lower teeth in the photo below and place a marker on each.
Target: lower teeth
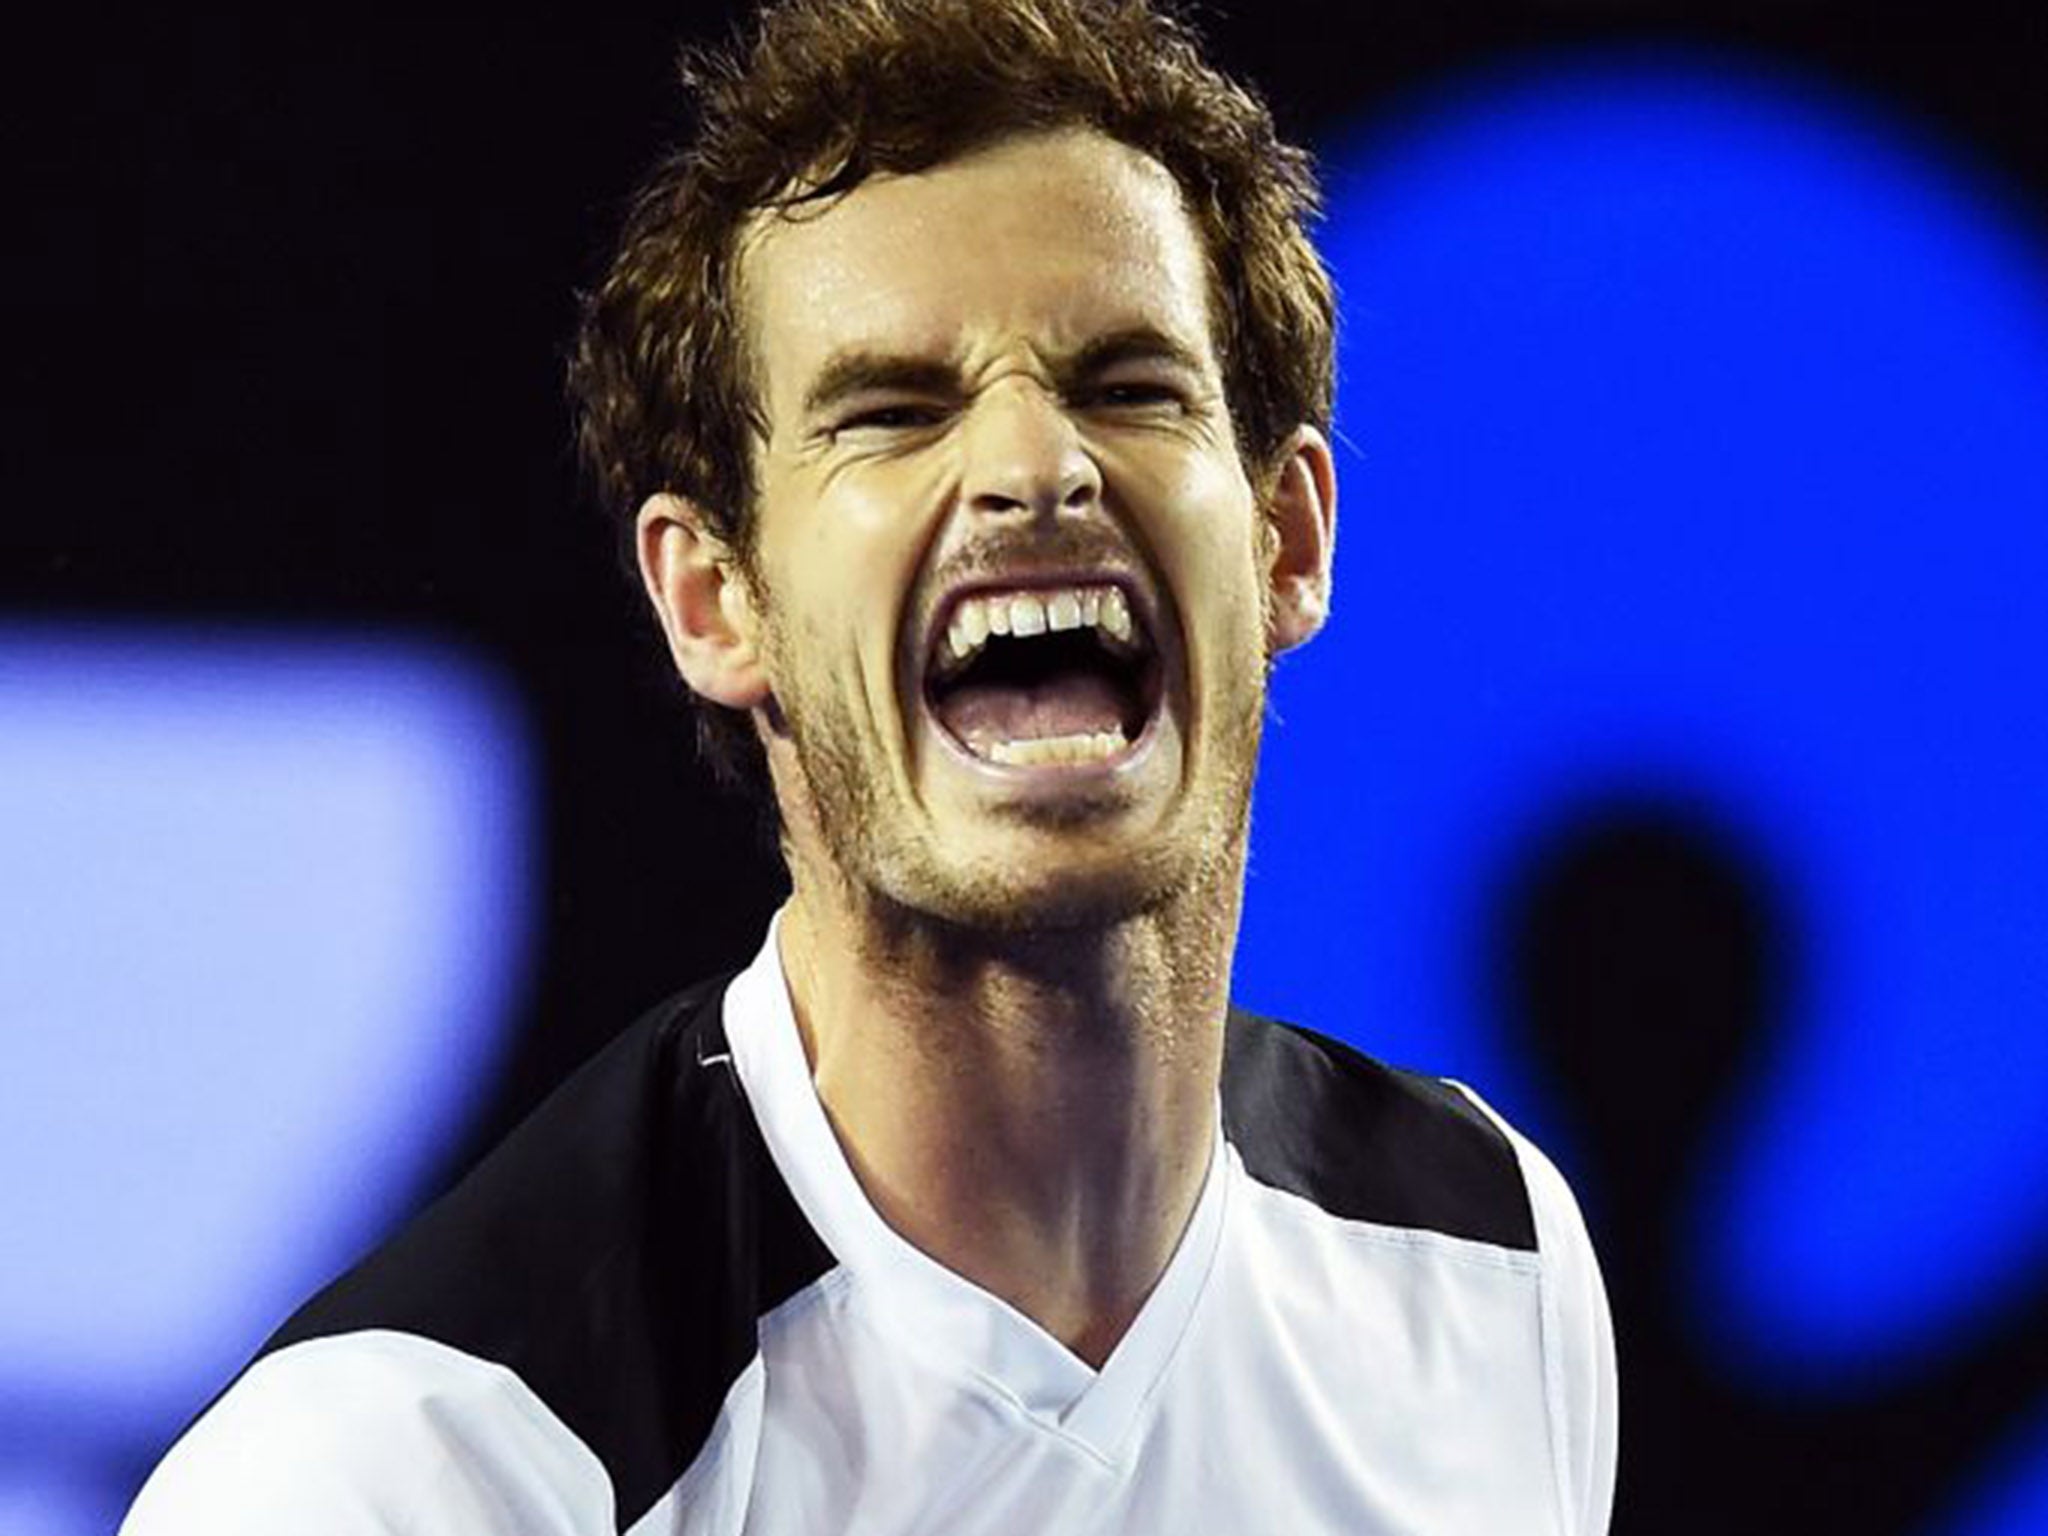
(1086, 747)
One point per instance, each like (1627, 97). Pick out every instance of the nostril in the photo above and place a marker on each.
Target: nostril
(1075, 494)
(996, 501)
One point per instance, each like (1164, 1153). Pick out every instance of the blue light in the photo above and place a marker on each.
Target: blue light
(2012, 1498)
(263, 925)
(1699, 426)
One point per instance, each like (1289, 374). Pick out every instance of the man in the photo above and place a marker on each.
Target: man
(965, 386)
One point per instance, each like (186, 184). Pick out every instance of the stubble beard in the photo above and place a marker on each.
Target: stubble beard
(890, 867)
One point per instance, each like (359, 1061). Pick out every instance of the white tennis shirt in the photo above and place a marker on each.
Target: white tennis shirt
(665, 1305)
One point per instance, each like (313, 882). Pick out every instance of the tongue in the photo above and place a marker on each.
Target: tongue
(1072, 704)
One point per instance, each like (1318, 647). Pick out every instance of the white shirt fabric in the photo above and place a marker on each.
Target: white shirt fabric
(1294, 1371)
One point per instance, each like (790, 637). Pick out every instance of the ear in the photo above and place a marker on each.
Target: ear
(704, 601)
(1301, 514)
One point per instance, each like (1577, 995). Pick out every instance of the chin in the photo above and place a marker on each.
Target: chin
(1025, 889)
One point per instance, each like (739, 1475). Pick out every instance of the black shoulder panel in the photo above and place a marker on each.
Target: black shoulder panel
(616, 1251)
(1366, 1141)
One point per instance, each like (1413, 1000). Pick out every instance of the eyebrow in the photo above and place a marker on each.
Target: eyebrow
(863, 370)
(859, 371)
(1132, 344)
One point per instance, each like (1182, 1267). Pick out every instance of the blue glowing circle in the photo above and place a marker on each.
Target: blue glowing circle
(1696, 440)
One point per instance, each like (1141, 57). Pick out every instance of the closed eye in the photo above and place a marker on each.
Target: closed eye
(1132, 394)
(897, 416)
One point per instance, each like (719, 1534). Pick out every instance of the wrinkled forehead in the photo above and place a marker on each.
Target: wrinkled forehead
(1040, 242)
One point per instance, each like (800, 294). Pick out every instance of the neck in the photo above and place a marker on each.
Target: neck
(1035, 1112)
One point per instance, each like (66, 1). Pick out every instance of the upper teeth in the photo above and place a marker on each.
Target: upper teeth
(1038, 612)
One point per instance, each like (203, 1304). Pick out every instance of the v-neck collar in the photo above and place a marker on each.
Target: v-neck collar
(944, 1318)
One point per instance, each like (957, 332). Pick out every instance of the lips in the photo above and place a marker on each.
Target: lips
(1058, 673)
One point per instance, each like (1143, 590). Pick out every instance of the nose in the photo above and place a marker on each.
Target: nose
(1024, 455)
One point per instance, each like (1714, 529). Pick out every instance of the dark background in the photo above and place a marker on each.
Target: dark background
(337, 402)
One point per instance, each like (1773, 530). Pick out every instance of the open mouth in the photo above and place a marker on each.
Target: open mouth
(1039, 677)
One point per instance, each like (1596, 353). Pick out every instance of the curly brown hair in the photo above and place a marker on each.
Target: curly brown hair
(822, 94)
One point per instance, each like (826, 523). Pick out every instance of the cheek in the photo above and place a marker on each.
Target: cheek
(886, 518)
(1204, 531)
(847, 564)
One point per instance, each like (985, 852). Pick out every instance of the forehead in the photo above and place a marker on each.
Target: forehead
(1043, 241)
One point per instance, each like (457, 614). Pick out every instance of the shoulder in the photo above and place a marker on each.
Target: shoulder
(372, 1432)
(1368, 1142)
(654, 1123)
(602, 1270)
(1579, 1334)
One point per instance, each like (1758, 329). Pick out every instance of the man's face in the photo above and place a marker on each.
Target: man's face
(994, 404)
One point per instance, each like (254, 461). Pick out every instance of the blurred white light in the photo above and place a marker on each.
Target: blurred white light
(264, 909)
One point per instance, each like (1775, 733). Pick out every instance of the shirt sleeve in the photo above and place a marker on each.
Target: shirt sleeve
(1580, 1380)
(376, 1434)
